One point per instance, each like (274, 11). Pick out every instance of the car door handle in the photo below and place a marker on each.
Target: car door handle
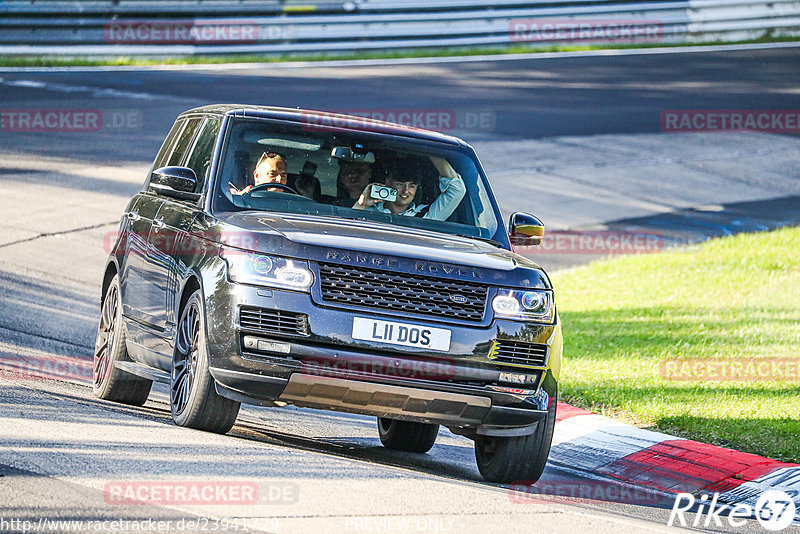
(158, 224)
(133, 216)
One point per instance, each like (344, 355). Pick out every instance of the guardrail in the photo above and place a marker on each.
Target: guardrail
(185, 27)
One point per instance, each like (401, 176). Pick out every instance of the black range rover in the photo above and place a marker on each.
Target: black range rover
(278, 256)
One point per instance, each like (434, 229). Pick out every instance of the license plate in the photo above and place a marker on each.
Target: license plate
(405, 334)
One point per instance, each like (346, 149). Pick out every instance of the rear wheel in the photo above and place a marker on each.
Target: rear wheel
(407, 435)
(110, 383)
(193, 399)
(518, 458)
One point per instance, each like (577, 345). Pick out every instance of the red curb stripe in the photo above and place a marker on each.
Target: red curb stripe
(565, 411)
(689, 466)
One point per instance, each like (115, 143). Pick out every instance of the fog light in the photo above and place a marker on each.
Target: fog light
(512, 378)
(505, 305)
(292, 276)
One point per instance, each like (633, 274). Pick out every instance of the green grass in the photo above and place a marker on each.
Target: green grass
(59, 61)
(731, 298)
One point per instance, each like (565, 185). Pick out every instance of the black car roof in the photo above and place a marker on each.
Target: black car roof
(324, 119)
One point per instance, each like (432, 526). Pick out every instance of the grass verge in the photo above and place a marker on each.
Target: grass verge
(727, 302)
(57, 61)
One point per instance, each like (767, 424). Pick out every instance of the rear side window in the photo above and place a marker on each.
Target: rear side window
(200, 160)
(184, 141)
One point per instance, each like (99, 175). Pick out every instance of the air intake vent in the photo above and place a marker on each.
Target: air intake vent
(273, 322)
(518, 352)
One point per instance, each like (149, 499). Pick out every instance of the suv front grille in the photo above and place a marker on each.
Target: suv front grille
(518, 352)
(275, 322)
(401, 292)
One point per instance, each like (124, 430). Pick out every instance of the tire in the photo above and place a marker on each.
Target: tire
(519, 458)
(407, 435)
(193, 400)
(108, 382)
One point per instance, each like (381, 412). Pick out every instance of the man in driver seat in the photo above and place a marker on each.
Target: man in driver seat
(270, 169)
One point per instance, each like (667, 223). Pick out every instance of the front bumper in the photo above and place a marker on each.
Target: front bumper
(325, 368)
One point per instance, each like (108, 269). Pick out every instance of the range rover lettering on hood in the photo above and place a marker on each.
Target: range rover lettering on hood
(419, 266)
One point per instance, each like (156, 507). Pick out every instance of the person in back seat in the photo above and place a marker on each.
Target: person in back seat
(352, 178)
(306, 183)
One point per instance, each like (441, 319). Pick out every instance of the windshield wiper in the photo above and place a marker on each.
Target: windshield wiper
(484, 239)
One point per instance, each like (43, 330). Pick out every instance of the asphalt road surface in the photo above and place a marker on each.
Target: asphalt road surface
(577, 141)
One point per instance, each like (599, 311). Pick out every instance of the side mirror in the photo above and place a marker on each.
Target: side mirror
(525, 229)
(176, 182)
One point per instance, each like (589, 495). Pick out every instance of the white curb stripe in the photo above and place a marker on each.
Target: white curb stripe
(786, 479)
(589, 442)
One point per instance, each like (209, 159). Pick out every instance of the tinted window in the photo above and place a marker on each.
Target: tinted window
(437, 187)
(184, 141)
(167, 146)
(200, 160)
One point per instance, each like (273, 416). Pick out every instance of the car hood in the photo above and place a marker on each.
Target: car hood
(322, 238)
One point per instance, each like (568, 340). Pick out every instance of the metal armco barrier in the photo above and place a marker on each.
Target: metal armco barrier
(185, 27)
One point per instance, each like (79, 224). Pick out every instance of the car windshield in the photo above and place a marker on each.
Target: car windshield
(291, 168)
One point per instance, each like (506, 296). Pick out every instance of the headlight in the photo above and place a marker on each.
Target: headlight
(263, 270)
(524, 305)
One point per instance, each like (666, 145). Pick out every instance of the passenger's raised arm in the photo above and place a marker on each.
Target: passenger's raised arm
(452, 191)
(443, 167)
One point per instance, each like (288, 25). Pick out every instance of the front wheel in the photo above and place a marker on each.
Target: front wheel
(407, 435)
(517, 458)
(108, 382)
(193, 399)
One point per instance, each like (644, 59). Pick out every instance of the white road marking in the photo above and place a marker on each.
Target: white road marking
(413, 60)
(99, 92)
